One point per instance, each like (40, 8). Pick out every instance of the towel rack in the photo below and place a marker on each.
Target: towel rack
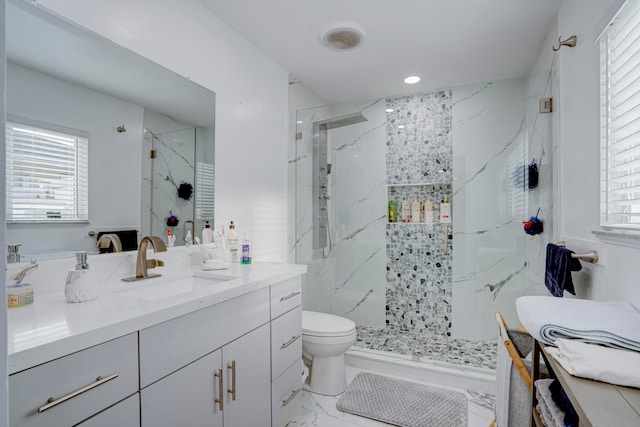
(591, 256)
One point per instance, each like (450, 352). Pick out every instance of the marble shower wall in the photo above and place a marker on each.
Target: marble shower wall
(497, 132)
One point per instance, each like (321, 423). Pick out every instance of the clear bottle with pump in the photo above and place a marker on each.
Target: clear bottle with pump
(188, 240)
(246, 251)
(207, 233)
(232, 244)
(81, 285)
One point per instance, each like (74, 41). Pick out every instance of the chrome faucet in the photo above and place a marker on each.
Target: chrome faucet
(110, 239)
(19, 276)
(142, 263)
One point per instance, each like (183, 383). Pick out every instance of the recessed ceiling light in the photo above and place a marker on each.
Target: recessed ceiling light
(400, 126)
(389, 110)
(412, 80)
(299, 122)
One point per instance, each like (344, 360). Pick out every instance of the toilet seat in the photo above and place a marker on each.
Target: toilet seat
(326, 325)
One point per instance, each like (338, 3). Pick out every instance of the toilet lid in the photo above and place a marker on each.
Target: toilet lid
(323, 324)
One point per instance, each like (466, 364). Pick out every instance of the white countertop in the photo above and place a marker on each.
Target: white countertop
(51, 328)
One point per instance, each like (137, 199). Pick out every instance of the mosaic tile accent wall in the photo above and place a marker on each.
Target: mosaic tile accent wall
(418, 142)
(418, 296)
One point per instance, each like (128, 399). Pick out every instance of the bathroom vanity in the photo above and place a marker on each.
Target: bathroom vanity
(219, 348)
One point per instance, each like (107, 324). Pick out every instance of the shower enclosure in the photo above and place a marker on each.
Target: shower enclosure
(418, 290)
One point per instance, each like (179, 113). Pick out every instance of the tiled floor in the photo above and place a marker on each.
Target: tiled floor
(320, 411)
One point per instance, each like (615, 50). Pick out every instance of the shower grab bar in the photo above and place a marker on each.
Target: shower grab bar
(591, 256)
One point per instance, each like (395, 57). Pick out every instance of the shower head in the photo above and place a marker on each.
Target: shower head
(338, 122)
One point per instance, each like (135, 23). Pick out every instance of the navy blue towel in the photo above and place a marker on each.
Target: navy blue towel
(557, 275)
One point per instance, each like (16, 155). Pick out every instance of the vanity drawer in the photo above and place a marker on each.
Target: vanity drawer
(286, 394)
(125, 413)
(286, 341)
(82, 384)
(285, 296)
(168, 346)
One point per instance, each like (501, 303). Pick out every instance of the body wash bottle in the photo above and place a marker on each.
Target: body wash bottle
(445, 212)
(428, 211)
(406, 211)
(415, 210)
(81, 283)
(246, 251)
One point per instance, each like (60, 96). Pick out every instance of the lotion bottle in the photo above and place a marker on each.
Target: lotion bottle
(428, 211)
(232, 244)
(81, 283)
(246, 251)
(415, 210)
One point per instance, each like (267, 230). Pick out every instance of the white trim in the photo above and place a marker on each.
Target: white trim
(607, 18)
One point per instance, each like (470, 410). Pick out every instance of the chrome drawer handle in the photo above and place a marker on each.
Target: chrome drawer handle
(288, 343)
(54, 402)
(291, 295)
(294, 393)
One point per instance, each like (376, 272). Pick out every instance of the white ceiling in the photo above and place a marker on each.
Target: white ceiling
(446, 42)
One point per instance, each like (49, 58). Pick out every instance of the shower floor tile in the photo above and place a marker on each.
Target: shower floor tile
(320, 411)
(478, 354)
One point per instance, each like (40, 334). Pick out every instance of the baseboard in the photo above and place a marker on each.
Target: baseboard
(479, 380)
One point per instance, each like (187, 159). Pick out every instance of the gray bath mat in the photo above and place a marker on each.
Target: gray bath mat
(403, 403)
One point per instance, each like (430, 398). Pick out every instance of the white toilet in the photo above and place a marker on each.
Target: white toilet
(325, 339)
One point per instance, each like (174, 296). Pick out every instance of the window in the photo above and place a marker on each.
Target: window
(620, 119)
(46, 174)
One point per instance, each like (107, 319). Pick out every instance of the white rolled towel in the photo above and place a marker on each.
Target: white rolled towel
(614, 324)
(598, 363)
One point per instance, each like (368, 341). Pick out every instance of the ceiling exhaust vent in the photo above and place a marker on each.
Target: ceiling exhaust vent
(343, 37)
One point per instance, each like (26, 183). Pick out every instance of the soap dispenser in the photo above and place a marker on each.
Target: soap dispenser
(81, 283)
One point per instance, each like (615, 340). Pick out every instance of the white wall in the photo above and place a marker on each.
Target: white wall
(615, 276)
(115, 181)
(251, 102)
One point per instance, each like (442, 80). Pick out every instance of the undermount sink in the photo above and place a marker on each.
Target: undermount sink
(156, 289)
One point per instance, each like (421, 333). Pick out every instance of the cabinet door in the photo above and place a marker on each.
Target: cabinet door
(187, 397)
(252, 404)
(125, 413)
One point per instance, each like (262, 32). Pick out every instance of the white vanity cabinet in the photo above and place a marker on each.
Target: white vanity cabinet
(286, 350)
(68, 390)
(209, 367)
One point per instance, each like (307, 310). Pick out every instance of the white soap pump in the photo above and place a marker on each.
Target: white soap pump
(81, 285)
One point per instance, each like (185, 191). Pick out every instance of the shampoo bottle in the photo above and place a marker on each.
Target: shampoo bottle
(415, 210)
(445, 212)
(406, 211)
(81, 283)
(232, 244)
(207, 233)
(428, 211)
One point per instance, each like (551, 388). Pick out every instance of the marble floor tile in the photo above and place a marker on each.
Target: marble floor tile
(320, 411)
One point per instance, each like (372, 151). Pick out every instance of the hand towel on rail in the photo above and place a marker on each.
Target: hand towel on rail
(598, 363)
(558, 268)
(613, 324)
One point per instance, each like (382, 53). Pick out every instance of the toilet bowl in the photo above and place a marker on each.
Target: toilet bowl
(325, 339)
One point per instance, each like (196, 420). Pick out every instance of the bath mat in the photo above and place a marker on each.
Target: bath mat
(403, 403)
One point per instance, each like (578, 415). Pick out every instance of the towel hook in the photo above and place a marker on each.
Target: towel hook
(570, 42)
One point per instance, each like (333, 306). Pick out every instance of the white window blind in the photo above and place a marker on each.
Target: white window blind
(46, 175)
(620, 119)
(204, 190)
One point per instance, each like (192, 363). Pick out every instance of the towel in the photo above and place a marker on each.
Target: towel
(128, 238)
(613, 324)
(598, 363)
(559, 265)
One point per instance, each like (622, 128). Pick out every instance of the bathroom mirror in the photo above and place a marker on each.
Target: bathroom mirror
(150, 130)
